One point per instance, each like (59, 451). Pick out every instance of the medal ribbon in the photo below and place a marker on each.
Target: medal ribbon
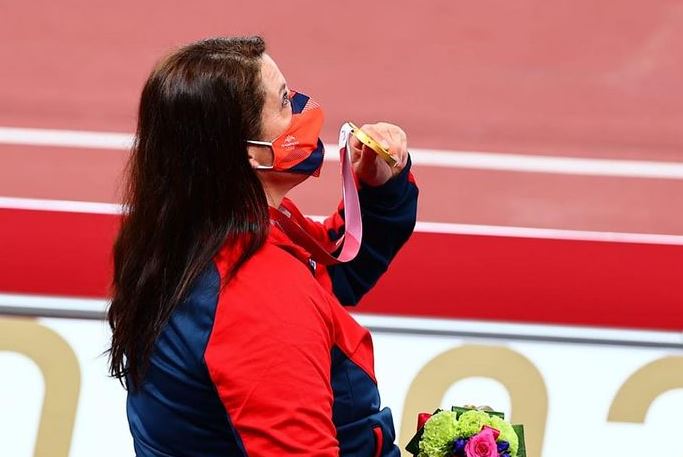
(353, 234)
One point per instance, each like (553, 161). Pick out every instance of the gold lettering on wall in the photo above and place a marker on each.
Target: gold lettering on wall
(61, 373)
(521, 378)
(641, 389)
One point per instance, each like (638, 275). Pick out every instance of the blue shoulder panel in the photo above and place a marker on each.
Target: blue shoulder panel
(176, 409)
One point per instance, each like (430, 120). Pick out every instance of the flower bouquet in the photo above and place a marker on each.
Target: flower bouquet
(467, 432)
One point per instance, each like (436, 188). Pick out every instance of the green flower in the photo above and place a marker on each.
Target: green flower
(438, 436)
(507, 433)
(471, 422)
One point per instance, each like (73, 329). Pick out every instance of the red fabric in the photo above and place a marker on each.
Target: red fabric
(354, 341)
(269, 356)
(379, 441)
(319, 231)
(299, 235)
(269, 353)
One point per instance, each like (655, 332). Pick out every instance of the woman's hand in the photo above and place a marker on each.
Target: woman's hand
(369, 167)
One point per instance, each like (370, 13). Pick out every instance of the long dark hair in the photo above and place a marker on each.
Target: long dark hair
(190, 188)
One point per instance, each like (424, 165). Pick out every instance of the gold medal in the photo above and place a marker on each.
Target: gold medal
(370, 142)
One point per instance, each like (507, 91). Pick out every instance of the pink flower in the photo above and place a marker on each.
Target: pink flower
(483, 444)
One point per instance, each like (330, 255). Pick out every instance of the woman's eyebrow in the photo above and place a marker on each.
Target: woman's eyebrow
(282, 88)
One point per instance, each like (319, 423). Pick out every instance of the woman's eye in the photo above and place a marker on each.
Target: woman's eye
(285, 100)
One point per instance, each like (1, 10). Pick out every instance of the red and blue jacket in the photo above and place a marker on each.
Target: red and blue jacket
(272, 364)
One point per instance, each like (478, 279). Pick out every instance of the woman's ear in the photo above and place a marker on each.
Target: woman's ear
(252, 160)
(260, 157)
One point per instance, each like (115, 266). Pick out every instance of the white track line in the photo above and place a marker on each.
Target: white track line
(68, 206)
(427, 157)
(548, 233)
(549, 164)
(423, 227)
(66, 138)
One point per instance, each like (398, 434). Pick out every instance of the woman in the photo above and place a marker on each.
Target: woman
(231, 338)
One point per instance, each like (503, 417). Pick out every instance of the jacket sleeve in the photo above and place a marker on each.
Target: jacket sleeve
(389, 212)
(269, 358)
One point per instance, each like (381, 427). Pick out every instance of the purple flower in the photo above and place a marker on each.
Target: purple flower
(459, 446)
(503, 446)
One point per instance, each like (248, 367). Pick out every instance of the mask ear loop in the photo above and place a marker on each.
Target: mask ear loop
(263, 144)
